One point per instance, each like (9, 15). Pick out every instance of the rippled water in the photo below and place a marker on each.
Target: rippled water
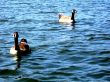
(60, 52)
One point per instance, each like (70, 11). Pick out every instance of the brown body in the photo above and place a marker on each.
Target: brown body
(24, 48)
(63, 18)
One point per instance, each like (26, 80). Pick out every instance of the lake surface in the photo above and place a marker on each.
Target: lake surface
(60, 52)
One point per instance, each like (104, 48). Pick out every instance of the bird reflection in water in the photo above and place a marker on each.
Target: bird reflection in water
(69, 26)
(18, 61)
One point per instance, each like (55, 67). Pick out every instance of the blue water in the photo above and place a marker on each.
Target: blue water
(60, 52)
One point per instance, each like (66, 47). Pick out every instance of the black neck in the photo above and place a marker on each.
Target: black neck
(73, 16)
(16, 44)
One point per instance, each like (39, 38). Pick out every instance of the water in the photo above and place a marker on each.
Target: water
(60, 52)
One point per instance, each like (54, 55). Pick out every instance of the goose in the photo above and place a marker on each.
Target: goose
(19, 47)
(67, 19)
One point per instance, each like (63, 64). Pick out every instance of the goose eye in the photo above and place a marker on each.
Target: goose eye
(15, 34)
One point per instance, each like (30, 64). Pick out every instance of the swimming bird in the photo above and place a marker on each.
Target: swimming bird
(67, 19)
(19, 47)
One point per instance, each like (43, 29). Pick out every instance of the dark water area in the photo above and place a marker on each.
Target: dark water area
(60, 52)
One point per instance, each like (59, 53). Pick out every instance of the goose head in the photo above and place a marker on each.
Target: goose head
(74, 11)
(15, 35)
